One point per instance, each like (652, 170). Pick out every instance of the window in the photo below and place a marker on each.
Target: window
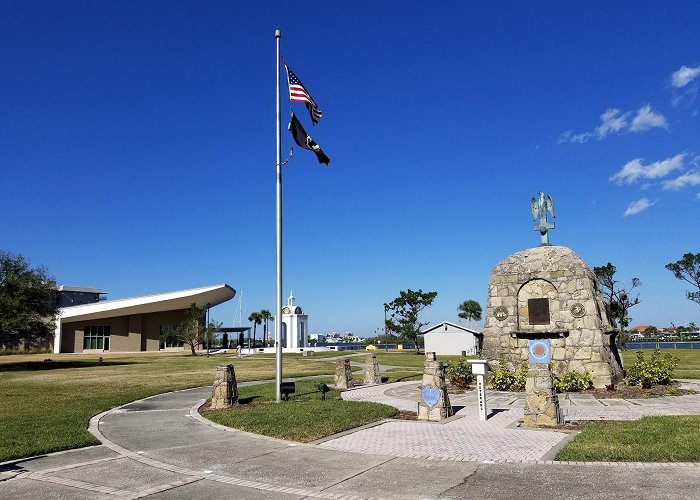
(96, 337)
(169, 336)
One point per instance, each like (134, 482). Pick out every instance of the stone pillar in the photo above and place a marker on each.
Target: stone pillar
(343, 374)
(372, 375)
(541, 403)
(434, 403)
(224, 392)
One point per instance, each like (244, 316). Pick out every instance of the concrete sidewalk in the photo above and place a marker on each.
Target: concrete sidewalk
(159, 448)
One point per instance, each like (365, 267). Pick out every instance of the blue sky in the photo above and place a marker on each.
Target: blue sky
(137, 145)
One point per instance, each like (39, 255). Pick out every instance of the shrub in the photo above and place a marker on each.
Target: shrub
(658, 370)
(505, 379)
(520, 379)
(573, 381)
(460, 374)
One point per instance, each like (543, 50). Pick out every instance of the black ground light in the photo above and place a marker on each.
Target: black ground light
(323, 388)
(287, 388)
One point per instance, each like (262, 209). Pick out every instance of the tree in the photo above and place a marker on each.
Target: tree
(404, 314)
(210, 333)
(27, 312)
(192, 329)
(470, 310)
(266, 316)
(256, 319)
(618, 300)
(688, 269)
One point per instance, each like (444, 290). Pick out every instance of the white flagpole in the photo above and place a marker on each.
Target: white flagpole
(278, 307)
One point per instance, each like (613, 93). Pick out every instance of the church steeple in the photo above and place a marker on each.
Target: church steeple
(290, 299)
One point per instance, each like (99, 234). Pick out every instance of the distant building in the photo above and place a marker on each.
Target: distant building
(295, 325)
(316, 338)
(128, 325)
(68, 296)
(448, 338)
(640, 328)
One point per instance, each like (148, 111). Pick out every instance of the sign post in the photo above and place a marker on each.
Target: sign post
(480, 369)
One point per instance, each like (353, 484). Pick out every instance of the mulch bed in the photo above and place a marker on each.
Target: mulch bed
(406, 415)
(623, 391)
(577, 425)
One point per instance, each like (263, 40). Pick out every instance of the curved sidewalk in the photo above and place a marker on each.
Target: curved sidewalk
(160, 448)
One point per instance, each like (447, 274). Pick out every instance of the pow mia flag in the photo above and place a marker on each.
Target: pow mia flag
(305, 141)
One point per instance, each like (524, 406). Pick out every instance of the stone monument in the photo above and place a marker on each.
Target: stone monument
(434, 403)
(372, 375)
(548, 292)
(224, 392)
(343, 374)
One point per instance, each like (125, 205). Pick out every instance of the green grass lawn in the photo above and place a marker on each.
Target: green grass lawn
(46, 407)
(305, 417)
(689, 366)
(650, 439)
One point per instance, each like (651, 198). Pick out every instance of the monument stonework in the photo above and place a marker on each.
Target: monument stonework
(548, 292)
(343, 374)
(224, 392)
(434, 404)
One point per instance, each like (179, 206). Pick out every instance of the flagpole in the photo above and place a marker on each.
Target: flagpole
(278, 307)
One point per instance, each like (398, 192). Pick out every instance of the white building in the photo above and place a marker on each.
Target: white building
(451, 338)
(295, 325)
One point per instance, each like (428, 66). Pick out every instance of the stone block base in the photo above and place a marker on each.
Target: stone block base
(224, 392)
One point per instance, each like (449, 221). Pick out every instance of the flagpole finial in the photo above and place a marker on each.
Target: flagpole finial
(278, 34)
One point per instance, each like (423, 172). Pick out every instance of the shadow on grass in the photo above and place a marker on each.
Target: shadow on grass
(49, 364)
(248, 400)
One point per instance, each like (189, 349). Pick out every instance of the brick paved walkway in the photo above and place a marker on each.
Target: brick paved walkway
(499, 439)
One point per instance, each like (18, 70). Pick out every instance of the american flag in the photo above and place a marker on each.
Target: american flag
(298, 93)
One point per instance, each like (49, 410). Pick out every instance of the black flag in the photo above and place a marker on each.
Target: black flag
(305, 141)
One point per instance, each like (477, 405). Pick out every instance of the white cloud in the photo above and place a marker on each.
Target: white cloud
(635, 169)
(638, 206)
(569, 136)
(614, 121)
(647, 119)
(684, 75)
(691, 178)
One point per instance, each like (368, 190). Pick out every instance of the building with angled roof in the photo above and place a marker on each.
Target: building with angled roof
(133, 324)
(448, 338)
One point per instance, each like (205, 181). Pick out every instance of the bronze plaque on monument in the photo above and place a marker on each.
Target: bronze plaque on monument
(538, 311)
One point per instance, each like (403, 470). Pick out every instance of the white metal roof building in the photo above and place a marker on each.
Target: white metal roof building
(133, 324)
(450, 338)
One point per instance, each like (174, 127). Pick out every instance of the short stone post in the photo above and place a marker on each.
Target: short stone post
(372, 375)
(434, 404)
(343, 374)
(480, 369)
(224, 392)
(541, 403)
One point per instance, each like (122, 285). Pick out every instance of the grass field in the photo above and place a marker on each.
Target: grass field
(650, 439)
(46, 406)
(305, 417)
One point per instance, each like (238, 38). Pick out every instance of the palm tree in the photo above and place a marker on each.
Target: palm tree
(256, 319)
(266, 316)
(470, 310)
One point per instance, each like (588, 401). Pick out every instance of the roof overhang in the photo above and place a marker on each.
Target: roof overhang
(169, 301)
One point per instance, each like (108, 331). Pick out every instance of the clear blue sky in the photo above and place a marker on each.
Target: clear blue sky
(137, 147)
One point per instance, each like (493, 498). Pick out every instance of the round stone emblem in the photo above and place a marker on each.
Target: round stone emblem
(500, 313)
(577, 310)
